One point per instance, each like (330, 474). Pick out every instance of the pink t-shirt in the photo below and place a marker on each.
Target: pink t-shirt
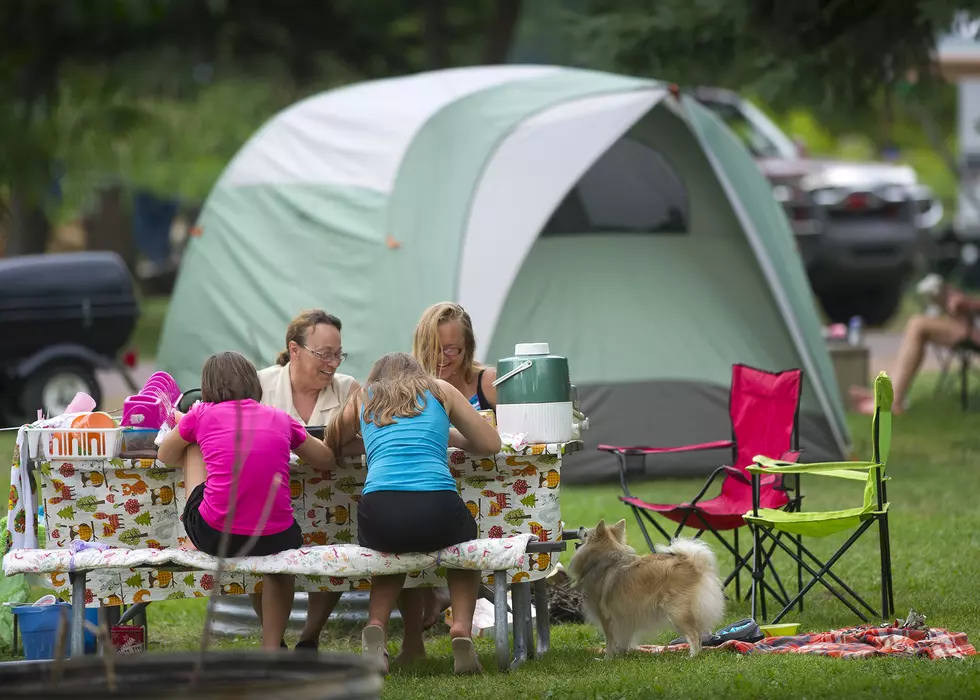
(268, 435)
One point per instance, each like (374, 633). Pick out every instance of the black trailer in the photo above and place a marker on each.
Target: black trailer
(62, 317)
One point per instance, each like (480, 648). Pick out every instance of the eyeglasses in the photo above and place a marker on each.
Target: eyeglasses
(337, 357)
(451, 352)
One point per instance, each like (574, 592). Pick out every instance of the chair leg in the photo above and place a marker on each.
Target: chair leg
(758, 594)
(884, 544)
(500, 632)
(799, 568)
(825, 570)
(542, 616)
(643, 529)
(945, 361)
(738, 568)
(746, 561)
(964, 381)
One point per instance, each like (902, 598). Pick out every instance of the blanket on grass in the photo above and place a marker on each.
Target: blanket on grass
(851, 643)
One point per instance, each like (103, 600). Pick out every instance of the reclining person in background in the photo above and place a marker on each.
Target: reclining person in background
(243, 498)
(409, 502)
(947, 331)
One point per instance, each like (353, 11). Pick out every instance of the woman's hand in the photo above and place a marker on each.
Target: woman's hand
(171, 450)
(316, 454)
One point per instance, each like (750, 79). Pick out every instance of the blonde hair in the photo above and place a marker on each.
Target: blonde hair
(300, 327)
(426, 347)
(395, 389)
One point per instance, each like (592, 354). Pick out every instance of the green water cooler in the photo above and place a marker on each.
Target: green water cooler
(534, 394)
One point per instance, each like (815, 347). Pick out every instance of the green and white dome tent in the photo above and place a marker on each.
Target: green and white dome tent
(624, 225)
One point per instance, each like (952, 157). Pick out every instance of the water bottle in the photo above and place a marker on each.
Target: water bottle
(854, 330)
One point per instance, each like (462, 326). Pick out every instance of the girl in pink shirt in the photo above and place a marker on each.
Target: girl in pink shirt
(242, 493)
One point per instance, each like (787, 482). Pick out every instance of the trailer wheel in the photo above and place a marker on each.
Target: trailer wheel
(53, 386)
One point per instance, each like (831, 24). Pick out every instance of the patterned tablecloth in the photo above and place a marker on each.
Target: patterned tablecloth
(136, 503)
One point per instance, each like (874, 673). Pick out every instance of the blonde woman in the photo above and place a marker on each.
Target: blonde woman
(409, 502)
(445, 346)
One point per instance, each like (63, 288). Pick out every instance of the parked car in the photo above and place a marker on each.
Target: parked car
(860, 227)
(62, 318)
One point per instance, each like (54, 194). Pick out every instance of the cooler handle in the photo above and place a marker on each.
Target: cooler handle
(517, 370)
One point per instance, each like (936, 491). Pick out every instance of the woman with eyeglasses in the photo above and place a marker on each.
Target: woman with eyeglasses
(305, 383)
(445, 346)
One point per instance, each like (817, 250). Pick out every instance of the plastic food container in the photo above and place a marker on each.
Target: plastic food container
(786, 629)
(139, 442)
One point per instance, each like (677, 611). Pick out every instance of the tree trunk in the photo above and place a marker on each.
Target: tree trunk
(29, 227)
(434, 33)
(502, 29)
(110, 226)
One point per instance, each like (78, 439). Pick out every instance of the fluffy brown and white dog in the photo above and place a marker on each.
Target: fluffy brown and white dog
(630, 595)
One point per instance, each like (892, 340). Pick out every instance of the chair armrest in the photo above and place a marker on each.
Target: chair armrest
(766, 465)
(739, 476)
(640, 449)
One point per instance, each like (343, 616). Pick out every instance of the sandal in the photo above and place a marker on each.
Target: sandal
(464, 657)
(374, 645)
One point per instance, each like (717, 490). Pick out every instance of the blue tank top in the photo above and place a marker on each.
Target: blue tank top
(411, 454)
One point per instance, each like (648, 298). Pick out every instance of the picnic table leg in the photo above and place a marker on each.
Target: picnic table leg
(520, 595)
(543, 614)
(527, 621)
(500, 634)
(77, 613)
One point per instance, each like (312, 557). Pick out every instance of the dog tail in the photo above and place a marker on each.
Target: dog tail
(711, 595)
(701, 556)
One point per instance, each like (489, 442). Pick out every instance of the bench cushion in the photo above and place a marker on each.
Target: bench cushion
(340, 561)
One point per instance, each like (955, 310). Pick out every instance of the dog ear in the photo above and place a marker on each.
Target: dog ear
(601, 527)
(619, 530)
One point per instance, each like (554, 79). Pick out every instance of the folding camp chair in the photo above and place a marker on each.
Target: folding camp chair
(764, 410)
(768, 522)
(965, 353)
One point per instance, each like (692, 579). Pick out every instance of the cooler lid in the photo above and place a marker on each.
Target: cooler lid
(532, 349)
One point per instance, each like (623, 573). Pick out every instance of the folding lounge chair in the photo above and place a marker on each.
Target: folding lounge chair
(769, 523)
(764, 409)
(964, 353)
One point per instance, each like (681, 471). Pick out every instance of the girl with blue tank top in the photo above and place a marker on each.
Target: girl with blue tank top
(409, 503)
(445, 346)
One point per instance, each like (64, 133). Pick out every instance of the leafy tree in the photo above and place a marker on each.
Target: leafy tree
(819, 52)
(161, 47)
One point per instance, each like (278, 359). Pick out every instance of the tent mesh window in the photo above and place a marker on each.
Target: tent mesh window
(631, 188)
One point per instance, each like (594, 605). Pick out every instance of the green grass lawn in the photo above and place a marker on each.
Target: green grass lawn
(935, 526)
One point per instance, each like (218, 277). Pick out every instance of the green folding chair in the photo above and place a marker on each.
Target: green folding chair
(767, 523)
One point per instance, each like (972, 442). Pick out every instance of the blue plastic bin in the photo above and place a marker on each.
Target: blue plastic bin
(38, 626)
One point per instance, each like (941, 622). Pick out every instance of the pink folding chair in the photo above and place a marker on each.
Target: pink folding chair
(764, 410)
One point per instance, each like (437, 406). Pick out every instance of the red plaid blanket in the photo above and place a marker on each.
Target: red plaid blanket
(852, 643)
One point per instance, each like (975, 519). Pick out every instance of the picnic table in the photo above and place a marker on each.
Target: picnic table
(135, 504)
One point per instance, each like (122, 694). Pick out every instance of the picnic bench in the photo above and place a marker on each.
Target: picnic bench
(112, 531)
